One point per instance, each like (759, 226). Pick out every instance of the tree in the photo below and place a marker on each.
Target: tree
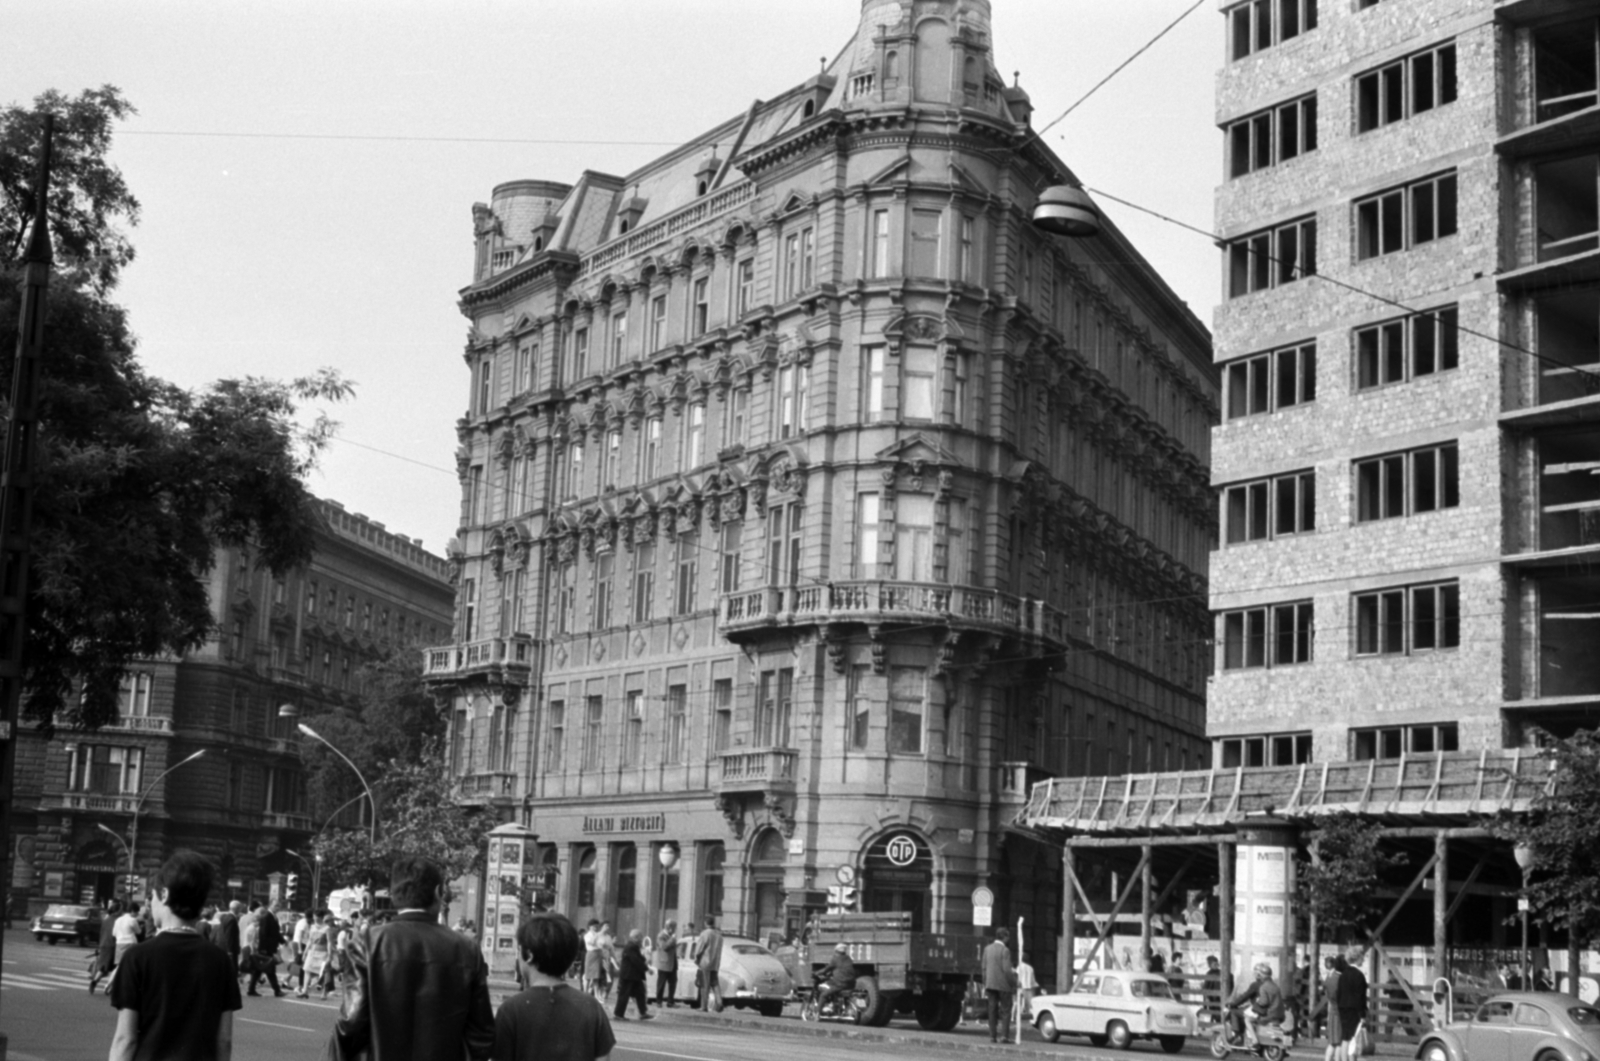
(1563, 830)
(137, 481)
(1339, 888)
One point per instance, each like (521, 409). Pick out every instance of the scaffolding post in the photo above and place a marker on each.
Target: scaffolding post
(1144, 907)
(1441, 904)
(1225, 914)
(1069, 921)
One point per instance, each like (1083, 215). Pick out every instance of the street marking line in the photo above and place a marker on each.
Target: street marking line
(319, 1004)
(663, 1053)
(291, 1027)
(28, 987)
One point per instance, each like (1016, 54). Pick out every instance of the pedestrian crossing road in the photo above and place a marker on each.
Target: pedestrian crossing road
(54, 978)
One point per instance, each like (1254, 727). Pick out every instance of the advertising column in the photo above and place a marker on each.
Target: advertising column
(510, 863)
(1263, 923)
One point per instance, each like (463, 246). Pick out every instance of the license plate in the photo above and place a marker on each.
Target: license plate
(1172, 1018)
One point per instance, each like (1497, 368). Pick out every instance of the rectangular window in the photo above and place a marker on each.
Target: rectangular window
(644, 583)
(1404, 217)
(605, 565)
(613, 460)
(695, 437)
(556, 736)
(133, 694)
(633, 729)
(722, 723)
(1273, 257)
(527, 354)
(925, 244)
(907, 687)
(1272, 749)
(1277, 635)
(566, 598)
(858, 708)
(593, 731)
(783, 554)
(677, 723)
(808, 259)
(793, 383)
(1392, 742)
(658, 322)
(580, 353)
(701, 314)
(1402, 349)
(879, 266)
(867, 536)
(1408, 620)
(969, 262)
(1259, 24)
(687, 566)
(918, 372)
(791, 264)
(747, 287)
(957, 389)
(1272, 136)
(105, 769)
(485, 386)
(738, 407)
(650, 459)
(574, 469)
(1410, 86)
(1404, 484)
(1265, 383)
(619, 338)
(732, 538)
(1270, 508)
(872, 384)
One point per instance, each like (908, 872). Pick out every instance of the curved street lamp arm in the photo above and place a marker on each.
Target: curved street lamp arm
(314, 735)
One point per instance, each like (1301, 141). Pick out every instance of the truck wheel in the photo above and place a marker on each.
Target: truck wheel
(929, 1010)
(870, 999)
(770, 1007)
(949, 1013)
(1172, 1044)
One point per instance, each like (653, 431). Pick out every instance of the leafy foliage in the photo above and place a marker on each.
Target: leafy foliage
(1340, 887)
(1563, 829)
(137, 481)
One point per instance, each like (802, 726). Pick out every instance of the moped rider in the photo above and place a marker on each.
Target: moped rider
(1266, 998)
(841, 975)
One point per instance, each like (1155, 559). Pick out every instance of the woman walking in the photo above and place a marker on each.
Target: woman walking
(319, 956)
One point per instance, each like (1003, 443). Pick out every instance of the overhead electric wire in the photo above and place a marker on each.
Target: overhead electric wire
(394, 139)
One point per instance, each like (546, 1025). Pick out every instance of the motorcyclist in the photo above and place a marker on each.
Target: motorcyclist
(1266, 998)
(841, 974)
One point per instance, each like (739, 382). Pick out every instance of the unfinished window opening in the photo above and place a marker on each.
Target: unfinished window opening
(1567, 207)
(1564, 66)
(1569, 490)
(1402, 89)
(1404, 484)
(1405, 217)
(1395, 351)
(1567, 339)
(1273, 136)
(1265, 383)
(1278, 256)
(1569, 622)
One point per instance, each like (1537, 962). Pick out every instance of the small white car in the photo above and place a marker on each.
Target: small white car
(1116, 1007)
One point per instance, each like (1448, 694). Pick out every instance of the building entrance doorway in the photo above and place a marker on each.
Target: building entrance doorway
(897, 877)
(767, 854)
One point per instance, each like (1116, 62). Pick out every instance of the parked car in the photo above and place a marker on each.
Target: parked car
(79, 924)
(1518, 1026)
(752, 977)
(1117, 1007)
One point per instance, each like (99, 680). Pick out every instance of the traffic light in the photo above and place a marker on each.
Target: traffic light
(292, 885)
(841, 899)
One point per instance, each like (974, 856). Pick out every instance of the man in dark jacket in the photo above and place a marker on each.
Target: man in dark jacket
(631, 969)
(419, 991)
(1351, 997)
(269, 939)
(999, 982)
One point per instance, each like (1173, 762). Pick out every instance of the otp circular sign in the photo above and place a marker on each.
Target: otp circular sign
(901, 850)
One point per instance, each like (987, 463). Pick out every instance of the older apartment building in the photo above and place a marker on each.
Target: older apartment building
(298, 641)
(814, 503)
(1410, 347)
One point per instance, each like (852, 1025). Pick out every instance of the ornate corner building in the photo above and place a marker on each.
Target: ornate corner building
(814, 503)
(300, 640)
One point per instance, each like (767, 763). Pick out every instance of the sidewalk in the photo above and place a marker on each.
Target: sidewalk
(967, 1038)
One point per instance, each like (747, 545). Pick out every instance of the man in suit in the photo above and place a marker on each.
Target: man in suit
(420, 991)
(269, 937)
(999, 981)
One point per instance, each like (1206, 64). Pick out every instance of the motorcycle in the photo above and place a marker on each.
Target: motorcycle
(850, 1004)
(1271, 1043)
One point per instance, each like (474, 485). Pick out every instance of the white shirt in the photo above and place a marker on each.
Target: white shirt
(125, 930)
(302, 932)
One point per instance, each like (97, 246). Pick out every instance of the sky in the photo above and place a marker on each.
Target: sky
(307, 168)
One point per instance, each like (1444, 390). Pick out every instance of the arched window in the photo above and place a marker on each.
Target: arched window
(627, 856)
(712, 859)
(897, 876)
(623, 227)
(538, 243)
(700, 189)
(891, 68)
(810, 108)
(586, 863)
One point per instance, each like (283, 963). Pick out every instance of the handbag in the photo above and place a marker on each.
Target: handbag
(1361, 1044)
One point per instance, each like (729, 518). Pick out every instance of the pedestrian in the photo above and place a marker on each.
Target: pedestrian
(608, 953)
(1328, 1007)
(548, 1019)
(1028, 986)
(665, 960)
(594, 959)
(317, 962)
(105, 954)
(269, 937)
(999, 981)
(126, 931)
(299, 939)
(421, 991)
(1211, 988)
(708, 959)
(174, 996)
(631, 970)
(1350, 999)
(1177, 976)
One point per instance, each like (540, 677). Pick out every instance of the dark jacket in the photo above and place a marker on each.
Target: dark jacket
(841, 971)
(271, 933)
(420, 993)
(1352, 996)
(1267, 997)
(632, 964)
(226, 935)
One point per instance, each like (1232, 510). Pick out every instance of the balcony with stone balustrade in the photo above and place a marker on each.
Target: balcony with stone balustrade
(757, 770)
(749, 613)
(504, 659)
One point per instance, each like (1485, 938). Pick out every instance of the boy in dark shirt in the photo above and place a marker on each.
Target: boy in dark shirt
(551, 1020)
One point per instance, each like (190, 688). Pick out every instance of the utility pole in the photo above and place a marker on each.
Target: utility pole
(16, 496)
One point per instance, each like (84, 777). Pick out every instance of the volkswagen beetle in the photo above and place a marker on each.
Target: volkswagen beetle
(1519, 1026)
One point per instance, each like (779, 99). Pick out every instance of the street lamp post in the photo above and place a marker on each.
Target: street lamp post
(668, 857)
(133, 829)
(1523, 853)
(314, 735)
(103, 827)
